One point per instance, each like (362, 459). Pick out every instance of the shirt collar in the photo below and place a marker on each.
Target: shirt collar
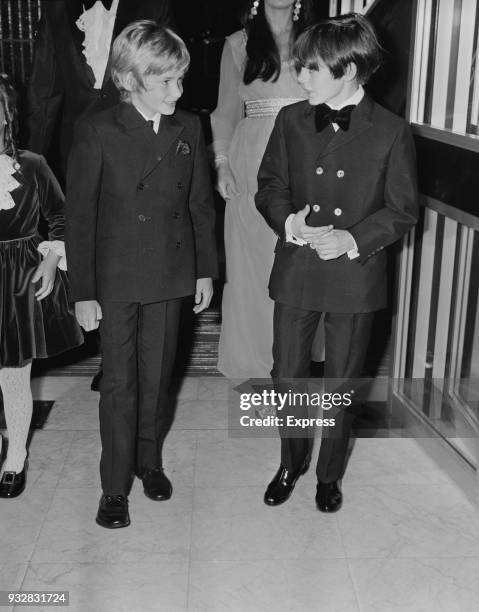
(354, 100)
(156, 119)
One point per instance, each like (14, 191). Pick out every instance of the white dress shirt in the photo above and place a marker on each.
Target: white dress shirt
(156, 119)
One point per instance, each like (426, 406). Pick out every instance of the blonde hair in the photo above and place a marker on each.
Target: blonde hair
(143, 48)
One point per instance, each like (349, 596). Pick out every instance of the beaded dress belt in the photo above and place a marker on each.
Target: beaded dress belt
(268, 107)
(18, 239)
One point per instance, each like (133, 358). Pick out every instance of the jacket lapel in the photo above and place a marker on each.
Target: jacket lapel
(74, 10)
(360, 121)
(169, 130)
(154, 146)
(139, 138)
(125, 14)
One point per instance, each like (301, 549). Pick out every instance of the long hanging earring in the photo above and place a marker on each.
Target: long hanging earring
(296, 10)
(254, 9)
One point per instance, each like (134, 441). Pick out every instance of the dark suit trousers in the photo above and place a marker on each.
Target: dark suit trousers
(139, 346)
(346, 342)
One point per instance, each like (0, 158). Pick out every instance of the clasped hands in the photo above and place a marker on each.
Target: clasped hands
(329, 243)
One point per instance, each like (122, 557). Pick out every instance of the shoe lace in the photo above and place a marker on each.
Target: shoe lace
(113, 498)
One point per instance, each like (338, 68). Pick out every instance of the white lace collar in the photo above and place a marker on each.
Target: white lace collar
(97, 24)
(8, 183)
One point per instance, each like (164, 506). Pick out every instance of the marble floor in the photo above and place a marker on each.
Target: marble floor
(407, 538)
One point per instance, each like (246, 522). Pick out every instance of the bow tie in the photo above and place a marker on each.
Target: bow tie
(89, 3)
(324, 115)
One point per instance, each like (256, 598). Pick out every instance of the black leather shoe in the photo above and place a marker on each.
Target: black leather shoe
(13, 484)
(328, 496)
(96, 380)
(156, 485)
(282, 485)
(113, 512)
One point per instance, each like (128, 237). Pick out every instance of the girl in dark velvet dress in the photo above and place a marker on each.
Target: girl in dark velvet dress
(35, 320)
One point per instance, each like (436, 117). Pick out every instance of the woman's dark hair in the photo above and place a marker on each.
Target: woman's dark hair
(262, 55)
(338, 42)
(8, 100)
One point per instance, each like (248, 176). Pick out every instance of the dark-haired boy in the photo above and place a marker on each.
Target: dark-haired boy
(347, 165)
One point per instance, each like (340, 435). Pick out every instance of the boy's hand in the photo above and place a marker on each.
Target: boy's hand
(203, 295)
(88, 314)
(306, 232)
(46, 271)
(298, 224)
(333, 244)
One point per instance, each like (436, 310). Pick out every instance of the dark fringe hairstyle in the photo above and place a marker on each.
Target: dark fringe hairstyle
(338, 42)
(262, 55)
(8, 100)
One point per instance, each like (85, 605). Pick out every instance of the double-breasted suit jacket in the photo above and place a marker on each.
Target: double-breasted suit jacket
(140, 214)
(62, 84)
(362, 180)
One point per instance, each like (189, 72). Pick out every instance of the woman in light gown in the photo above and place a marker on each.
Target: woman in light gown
(257, 78)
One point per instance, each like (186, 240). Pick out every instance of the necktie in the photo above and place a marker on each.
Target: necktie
(151, 123)
(89, 3)
(324, 115)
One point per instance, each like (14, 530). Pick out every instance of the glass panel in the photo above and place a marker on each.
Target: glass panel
(439, 375)
(445, 92)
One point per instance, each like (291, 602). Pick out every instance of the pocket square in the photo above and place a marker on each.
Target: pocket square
(183, 148)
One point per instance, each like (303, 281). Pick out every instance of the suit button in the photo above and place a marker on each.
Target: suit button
(179, 185)
(176, 215)
(319, 170)
(142, 218)
(141, 186)
(340, 173)
(178, 244)
(316, 208)
(338, 212)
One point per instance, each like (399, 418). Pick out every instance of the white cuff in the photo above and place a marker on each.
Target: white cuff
(57, 247)
(290, 237)
(354, 252)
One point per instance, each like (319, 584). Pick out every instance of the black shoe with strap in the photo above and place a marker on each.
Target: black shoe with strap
(282, 485)
(13, 484)
(113, 512)
(156, 485)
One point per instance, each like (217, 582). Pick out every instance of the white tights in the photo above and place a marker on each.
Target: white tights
(18, 405)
